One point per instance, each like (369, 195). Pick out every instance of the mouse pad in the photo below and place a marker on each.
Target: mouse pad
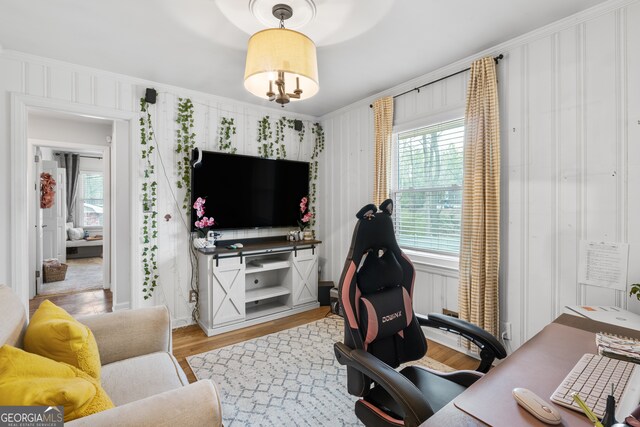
(538, 365)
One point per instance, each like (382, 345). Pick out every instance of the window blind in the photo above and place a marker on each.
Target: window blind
(91, 199)
(428, 187)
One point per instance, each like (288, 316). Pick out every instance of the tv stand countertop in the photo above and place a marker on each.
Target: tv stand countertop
(256, 245)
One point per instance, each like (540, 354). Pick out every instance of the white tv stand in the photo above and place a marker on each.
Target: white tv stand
(263, 281)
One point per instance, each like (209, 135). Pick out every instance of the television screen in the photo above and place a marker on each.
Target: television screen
(249, 192)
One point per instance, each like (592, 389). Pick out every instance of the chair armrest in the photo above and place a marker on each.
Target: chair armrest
(490, 347)
(196, 405)
(129, 333)
(403, 391)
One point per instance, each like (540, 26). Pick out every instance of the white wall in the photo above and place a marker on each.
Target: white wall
(570, 124)
(82, 86)
(68, 130)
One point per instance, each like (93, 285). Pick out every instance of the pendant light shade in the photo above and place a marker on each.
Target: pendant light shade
(280, 58)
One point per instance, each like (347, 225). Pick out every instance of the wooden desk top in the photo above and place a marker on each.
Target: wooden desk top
(251, 245)
(540, 364)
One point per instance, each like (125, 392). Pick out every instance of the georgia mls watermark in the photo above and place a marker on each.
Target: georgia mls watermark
(31, 416)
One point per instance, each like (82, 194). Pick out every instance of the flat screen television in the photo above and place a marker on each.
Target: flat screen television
(249, 192)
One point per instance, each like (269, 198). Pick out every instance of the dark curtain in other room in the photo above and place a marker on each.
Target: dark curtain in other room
(71, 162)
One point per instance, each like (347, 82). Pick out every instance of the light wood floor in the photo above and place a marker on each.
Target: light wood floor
(192, 340)
(78, 303)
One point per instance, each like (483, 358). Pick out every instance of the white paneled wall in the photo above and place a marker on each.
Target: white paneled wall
(40, 77)
(570, 119)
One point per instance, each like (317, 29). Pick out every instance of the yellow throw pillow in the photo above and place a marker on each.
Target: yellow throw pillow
(28, 379)
(53, 333)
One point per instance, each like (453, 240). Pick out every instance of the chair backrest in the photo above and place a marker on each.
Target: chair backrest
(13, 318)
(376, 293)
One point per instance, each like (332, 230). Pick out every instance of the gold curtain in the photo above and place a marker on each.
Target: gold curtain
(480, 237)
(382, 126)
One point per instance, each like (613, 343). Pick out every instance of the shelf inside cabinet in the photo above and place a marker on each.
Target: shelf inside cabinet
(258, 266)
(264, 309)
(266, 292)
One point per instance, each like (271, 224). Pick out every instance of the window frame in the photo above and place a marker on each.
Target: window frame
(80, 200)
(445, 261)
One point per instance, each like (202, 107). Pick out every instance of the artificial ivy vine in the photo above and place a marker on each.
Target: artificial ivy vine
(149, 210)
(269, 148)
(186, 143)
(318, 147)
(265, 145)
(226, 130)
(280, 150)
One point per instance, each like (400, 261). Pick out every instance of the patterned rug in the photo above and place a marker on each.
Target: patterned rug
(289, 378)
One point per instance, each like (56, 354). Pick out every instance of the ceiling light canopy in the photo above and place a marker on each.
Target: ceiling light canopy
(281, 64)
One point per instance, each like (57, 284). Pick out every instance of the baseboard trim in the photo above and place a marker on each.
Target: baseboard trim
(181, 322)
(122, 306)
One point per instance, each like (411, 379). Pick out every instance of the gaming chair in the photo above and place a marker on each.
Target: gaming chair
(381, 331)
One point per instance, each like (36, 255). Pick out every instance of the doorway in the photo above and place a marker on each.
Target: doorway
(68, 246)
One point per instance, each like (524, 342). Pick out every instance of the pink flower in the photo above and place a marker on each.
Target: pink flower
(200, 212)
(307, 217)
(199, 203)
(198, 224)
(304, 200)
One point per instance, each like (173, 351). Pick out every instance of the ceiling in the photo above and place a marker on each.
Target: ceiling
(192, 43)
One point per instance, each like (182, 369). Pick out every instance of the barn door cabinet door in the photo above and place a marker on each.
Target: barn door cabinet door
(226, 282)
(305, 277)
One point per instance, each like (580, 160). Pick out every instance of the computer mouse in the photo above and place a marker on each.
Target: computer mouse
(536, 406)
(238, 245)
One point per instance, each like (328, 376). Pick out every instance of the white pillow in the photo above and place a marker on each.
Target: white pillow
(76, 233)
(68, 226)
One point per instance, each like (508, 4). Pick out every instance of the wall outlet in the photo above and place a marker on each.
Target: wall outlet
(193, 296)
(506, 331)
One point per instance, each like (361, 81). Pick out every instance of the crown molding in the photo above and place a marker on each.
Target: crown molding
(502, 48)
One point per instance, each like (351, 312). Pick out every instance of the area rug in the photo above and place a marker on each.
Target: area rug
(289, 378)
(82, 274)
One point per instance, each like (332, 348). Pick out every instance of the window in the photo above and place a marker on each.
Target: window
(90, 199)
(428, 187)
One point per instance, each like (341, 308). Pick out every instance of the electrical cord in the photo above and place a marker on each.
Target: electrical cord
(193, 257)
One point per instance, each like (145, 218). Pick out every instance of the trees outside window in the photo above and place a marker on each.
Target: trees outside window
(428, 187)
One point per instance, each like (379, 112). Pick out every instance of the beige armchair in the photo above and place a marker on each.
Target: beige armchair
(139, 373)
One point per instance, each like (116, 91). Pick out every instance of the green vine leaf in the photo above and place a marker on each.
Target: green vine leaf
(149, 192)
(226, 130)
(186, 142)
(318, 148)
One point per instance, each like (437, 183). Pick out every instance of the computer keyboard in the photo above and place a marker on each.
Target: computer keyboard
(592, 377)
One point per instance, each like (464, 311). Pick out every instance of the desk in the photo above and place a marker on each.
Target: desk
(540, 365)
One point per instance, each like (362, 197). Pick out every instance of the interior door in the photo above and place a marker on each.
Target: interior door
(53, 218)
(61, 213)
(38, 225)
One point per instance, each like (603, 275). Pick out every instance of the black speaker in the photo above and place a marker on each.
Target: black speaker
(150, 95)
(297, 125)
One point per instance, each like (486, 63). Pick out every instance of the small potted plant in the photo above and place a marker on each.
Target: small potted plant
(635, 290)
(203, 224)
(305, 216)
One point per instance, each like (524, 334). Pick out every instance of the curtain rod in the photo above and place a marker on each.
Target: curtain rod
(79, 155)
(497, 58)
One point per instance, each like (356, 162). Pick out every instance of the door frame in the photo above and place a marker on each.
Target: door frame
(105, 152)
(21, 194)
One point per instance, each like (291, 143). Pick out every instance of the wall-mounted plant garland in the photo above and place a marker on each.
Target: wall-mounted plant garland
(275, 148)
(280, 150)
(226, 131)
(318, 147)
(186, 139)
(265, 145)
(149, 210)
